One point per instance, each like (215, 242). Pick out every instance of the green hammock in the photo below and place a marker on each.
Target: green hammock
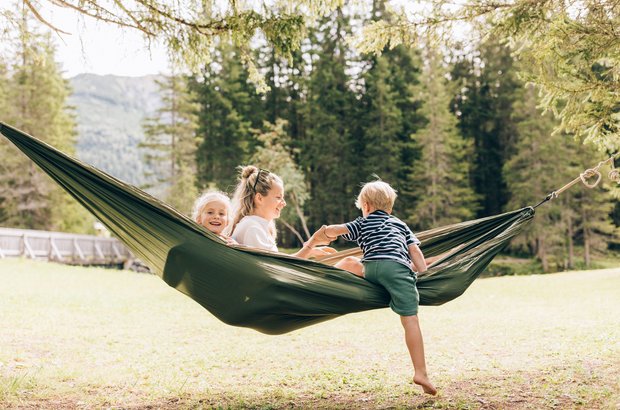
(272, 293)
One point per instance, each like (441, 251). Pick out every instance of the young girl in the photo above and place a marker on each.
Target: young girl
(212, 210)
(258, 201)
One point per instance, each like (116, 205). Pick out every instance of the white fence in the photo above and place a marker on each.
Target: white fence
(63, 247)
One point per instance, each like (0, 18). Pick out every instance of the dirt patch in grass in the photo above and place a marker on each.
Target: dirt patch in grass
(594, 386)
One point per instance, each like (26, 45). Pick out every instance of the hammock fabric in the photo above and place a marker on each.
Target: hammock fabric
(272, 293)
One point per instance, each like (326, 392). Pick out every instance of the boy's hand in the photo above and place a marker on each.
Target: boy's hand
(319, 238)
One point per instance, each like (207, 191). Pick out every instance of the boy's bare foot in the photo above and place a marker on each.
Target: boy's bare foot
(426, 384)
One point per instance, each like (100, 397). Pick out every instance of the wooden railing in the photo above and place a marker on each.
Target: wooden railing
(63, 247)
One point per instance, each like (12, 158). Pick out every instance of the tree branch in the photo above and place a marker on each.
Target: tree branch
(198, 27)
(43, 20)
(300, 214)
(131, 16)
(292, 229)
(117, 20)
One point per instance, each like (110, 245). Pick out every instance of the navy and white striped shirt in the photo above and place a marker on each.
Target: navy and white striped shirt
(382, 236)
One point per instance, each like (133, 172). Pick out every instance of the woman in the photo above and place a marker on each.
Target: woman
(257, 202)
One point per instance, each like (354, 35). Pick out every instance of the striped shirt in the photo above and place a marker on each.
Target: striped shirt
(382, 236)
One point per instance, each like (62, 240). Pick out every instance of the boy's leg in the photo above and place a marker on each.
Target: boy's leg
(351, 264)
(415, 345)
(400, 282)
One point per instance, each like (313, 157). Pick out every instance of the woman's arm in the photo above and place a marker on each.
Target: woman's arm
(305, 252)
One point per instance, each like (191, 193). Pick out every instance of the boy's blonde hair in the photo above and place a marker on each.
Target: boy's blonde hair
(378, 194)
(203, 200)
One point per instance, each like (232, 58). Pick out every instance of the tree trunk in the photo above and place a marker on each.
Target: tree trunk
(571, 247)
(293, 230)
(586, 247)
(542, 253)
(300, 214)
(586, 238)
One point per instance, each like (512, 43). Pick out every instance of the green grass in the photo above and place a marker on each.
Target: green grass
(75, 337)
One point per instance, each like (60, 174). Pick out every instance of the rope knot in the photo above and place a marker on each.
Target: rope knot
(589, 173)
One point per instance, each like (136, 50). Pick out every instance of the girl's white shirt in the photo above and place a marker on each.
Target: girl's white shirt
(253, 231)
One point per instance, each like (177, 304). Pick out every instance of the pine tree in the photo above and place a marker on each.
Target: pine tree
(288, 82)
(398, 84)
(276, 105)
(487, 87)
(4, 86)
(38, 94)
(328, 154)
(238, 89)
(544, 162)
(383, 123)
(442, 174)
(594, 225)
(538, 167)
(170, 142)
(229, 108)
(405, 66)
(4, 144)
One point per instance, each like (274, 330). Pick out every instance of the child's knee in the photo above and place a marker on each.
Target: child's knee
(411, 320)
(351, 264)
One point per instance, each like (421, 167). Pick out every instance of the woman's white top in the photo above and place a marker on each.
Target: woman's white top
(253, 231)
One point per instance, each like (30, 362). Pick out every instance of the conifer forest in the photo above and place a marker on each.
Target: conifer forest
(461, 132)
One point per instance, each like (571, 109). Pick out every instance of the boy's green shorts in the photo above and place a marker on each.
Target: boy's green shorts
(399, 281)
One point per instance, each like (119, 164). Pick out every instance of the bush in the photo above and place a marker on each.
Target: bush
(512, 266)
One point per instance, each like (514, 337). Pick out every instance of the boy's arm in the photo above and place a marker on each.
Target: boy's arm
(417, 257)
(326, 234)
(333, 231)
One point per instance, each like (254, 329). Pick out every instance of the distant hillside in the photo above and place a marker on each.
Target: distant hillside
(110, 110)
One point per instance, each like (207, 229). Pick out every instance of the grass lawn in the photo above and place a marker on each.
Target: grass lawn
(75, 337)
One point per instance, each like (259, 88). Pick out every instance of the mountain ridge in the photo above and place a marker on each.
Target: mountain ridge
(109, 112)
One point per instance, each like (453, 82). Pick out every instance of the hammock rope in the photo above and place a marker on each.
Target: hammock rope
(613, 175)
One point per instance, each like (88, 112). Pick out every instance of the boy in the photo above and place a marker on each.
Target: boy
(389, 249)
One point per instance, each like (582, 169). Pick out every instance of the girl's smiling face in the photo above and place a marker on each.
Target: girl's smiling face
(270, 206)
(214, 216)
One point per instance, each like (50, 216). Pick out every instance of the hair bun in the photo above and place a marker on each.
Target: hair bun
(247, 171)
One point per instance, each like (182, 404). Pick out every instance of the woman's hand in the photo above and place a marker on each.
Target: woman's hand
(319, 238)
(322, 251)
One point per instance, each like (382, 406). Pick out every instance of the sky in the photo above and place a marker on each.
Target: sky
(99, 48)
(103, 48)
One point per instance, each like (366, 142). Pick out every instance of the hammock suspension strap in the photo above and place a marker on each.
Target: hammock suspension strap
(585, 176)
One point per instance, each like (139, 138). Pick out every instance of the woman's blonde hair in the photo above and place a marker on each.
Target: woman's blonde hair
(203, 200)
(252, 181)
(378, 194)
